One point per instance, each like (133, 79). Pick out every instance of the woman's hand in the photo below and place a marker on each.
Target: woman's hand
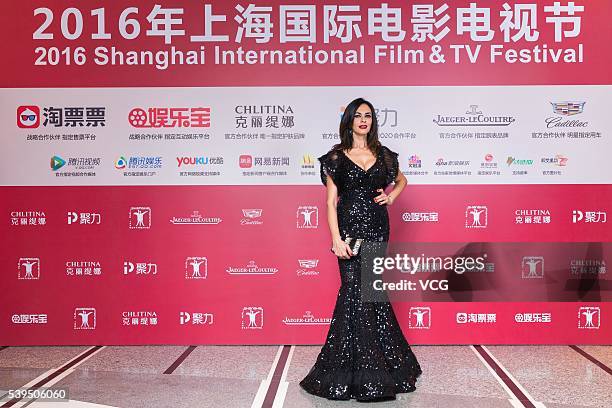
(341, 249)
(383, 198)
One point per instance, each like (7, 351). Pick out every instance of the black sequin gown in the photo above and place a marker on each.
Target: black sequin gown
(365, 356)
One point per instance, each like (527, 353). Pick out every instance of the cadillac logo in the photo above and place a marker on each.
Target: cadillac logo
(568, 108)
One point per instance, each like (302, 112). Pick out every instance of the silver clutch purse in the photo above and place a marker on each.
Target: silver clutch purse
(354, 244)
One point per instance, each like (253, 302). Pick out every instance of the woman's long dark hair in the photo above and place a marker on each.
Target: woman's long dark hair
(346, 128)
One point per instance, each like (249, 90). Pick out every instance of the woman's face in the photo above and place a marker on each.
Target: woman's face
(362, 121)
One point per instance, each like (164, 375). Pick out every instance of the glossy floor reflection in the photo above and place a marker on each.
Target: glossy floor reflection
(268, 376)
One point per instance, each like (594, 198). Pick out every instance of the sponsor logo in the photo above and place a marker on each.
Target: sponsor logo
(581, 267)
(251, 216)
(535, 216)
(589, 317)
(260, 116)
(488, 162)
(532, 267)
(28, 268)
(140, 217)
(195, 318)
(195, 219)
(84, 318)
(414, 162)
(307, 267)
(463, 317)
(568, 108)
(139, 318)
(420, 217)
(139, 162)
(564, 109)
(419, 317)
(559, 160)
(307, 216)
(196, 267)
(476, 216)
(245, 161)
(473, 117)
(199, 161)
(170, 117)
(252, 317)
(74, 163)
(596, 217)
(442, 162)
(308, 319)
(22, 218)
(140, 268)
(533, 317)
(251, 269)
(39, 318)
(262, 109)
(28, 116)
(511, 161)
(57, 163)
(84, 218)
(83, 268)
(121, 163)
(308, 162)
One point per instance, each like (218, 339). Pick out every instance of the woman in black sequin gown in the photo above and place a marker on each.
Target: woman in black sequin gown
(365, 356)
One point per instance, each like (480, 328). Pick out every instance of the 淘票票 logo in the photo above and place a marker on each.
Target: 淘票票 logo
(28, 116)
(466, 318)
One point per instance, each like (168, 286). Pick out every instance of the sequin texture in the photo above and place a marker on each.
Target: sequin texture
(365, 355)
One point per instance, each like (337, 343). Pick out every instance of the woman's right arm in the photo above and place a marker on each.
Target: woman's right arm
(340, 248)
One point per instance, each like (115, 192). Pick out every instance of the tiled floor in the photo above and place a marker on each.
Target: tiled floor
(268, 376)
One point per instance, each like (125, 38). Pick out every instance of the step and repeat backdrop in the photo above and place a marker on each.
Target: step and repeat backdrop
(159, 179)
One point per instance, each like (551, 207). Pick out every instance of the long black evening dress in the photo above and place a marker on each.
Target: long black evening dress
(365, 356)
